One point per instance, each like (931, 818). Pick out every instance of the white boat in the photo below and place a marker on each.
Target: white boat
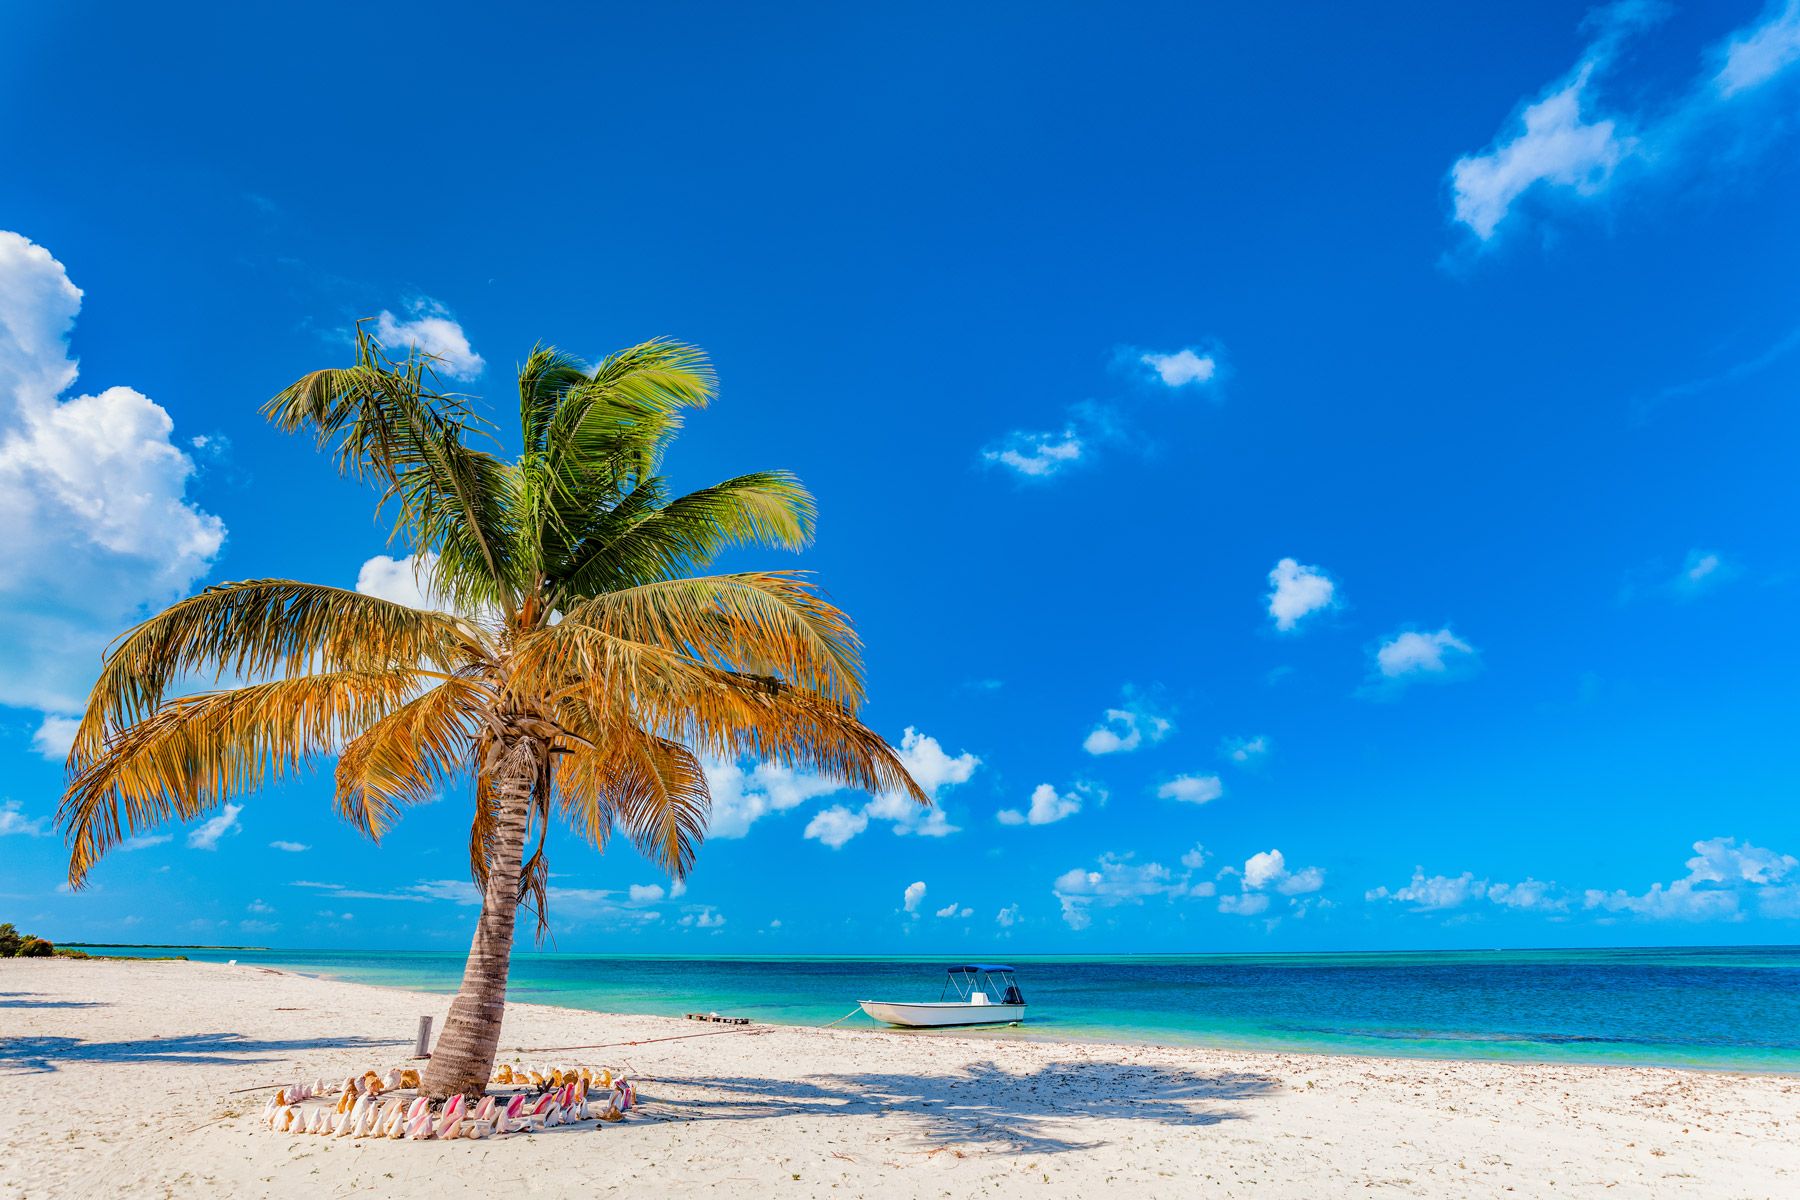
(985, 995)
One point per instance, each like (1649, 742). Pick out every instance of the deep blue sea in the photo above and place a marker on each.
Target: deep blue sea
(1733, 1008)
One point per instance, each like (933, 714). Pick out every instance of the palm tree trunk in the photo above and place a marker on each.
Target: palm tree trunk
(463, 1059)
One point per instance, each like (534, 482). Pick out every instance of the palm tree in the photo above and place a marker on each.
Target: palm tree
(573, 665)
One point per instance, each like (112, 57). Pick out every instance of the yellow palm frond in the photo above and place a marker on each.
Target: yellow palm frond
(762, 622)
(258, 628)
(408, 754)
(715, 712)
(652, 787)
(196, 752)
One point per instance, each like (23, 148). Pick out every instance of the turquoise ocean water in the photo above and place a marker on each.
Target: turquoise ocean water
(1736, 1007)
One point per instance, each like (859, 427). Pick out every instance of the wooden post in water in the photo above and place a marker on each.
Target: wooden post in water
(422, 1046)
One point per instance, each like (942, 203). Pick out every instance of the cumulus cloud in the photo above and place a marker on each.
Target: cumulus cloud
(1182, 368)
(1411, 656)
(1007, 917)
(914, 895)
(953, 909)
(1569, 145)
(1269, 869)
(932, 768)
(1721, 875)
(206, 835)
(55, 736)
(14, 821)
(740, 798)
(92, 496)
(1297, 592)
(410, 580)
(290, 847)
(1437, 893)
(645, 893)
(704, 917)
(1037, 455)
(1047, 807)
(1244, 904)
(835, 826)
(1118, 879)
(1265, 872)
(1192, 789)
(1124, 729)
(430, 329)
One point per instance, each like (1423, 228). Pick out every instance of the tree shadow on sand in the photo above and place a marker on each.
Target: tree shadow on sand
(33, 1000)
(36, 1055)
(978, 1103)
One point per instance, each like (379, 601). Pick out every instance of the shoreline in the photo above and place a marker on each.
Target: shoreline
(133, 1071)
(1022, 1033)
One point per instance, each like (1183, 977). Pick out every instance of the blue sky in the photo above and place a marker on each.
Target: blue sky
(1309, 479)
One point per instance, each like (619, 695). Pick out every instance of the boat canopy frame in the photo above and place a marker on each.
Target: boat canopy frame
(993, 980)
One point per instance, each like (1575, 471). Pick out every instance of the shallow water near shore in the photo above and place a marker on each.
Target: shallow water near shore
(1725, 1008)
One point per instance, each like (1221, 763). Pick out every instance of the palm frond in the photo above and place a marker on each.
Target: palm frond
(196, 752)
(646, 540)
(258, 628)
(760, 622)
(406, 756)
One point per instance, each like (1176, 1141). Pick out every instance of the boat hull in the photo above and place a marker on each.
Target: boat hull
(941, 1014)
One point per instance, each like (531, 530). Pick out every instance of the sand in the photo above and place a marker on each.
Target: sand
(118, 1078)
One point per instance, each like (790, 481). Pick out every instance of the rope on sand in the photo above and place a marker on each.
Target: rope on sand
(680, 1037)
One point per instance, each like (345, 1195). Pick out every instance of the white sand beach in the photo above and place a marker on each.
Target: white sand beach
(122, 1078)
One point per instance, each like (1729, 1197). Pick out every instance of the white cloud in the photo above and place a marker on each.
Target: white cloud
(1297, 591)
(14, 821)
(206, 836)
(932, 768)
(409, 581)
(1181, 368)
(1192, 789)
(1037, 455)
(705, 917)
(92, 496)
(290, 847)
(953, 909)
(1722, 874)
(1564, 146)
(740, 798)
(1756, 55)
(55, 736)
(1244, 904)
(431, 330)
(1123, 730)
(1438, 893)
(1117, 879)
(1047, 806)
(1553, 146)
(915, 893)
(1007, 917)
(257, 906)
(1269, 869)
(144, 841)
(645, 893)
(1412, 656)
(835, 825)
(1245, 751)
